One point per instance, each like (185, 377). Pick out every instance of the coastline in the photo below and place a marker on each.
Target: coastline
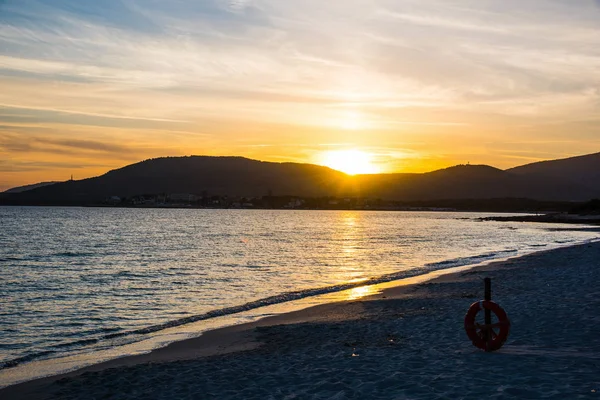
(550, 218)
(367, 327)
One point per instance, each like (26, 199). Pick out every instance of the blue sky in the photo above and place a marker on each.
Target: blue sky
(419, 84)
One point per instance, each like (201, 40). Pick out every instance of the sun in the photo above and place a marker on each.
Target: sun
(351, 162)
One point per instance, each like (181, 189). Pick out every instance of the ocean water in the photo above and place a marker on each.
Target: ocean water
(77, 280)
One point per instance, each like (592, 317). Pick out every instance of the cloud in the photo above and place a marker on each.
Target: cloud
(89, 152)
(206, 74)
(29, 166)
(281, 49)
(16, 143)
(54, 116)
(85, 145)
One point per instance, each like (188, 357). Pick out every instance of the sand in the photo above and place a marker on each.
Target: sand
(405, 343)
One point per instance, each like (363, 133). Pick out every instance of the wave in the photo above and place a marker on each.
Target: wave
(73, 254)
(20, 360)
(39, 257)
(461, 261)
(7, 259)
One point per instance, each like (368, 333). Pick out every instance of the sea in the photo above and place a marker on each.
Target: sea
(82, 285)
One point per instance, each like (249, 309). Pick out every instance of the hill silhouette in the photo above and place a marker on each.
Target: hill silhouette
(580, 170)
(232, 176)
(474, 182)
(25, 188)
(238, 176)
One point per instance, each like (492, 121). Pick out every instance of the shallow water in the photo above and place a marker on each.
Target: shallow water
(75, 280)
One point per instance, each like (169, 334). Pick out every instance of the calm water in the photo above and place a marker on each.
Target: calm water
(77, 279)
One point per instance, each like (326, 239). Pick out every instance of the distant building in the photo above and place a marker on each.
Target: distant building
(184, 197)
(114, 200)
(294, 203)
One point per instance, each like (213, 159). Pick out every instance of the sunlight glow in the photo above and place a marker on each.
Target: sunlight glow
(361, 291)
(351, 162)
(352, 120)
(424, 86)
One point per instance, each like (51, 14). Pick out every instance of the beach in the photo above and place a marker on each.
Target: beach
(407, 342)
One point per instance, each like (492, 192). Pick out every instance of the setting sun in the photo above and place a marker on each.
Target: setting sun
(351, 162)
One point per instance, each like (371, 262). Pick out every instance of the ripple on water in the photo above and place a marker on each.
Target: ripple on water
(87, 274)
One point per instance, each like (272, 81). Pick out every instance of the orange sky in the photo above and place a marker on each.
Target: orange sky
(418, 85)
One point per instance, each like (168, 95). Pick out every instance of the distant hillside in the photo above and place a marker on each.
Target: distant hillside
(473, 182)
(581, 170)
(237, 176)
(25, 188)
(232, 176)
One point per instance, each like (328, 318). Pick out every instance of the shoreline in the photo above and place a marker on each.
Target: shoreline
(550, 218)
(299, 310)
(249, 338)
(402, 208)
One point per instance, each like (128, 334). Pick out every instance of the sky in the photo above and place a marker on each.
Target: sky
(418, 85)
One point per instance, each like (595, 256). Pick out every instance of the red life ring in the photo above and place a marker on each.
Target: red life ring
(478, 333)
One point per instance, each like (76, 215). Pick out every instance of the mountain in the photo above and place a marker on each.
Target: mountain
(580, 170)
(238, 176)
(474, 182)
(25, 188)
(232, 176)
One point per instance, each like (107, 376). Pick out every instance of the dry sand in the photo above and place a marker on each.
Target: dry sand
(406, 343)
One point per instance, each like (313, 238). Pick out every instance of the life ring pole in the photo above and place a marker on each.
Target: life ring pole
(487, 295)
(484, 336)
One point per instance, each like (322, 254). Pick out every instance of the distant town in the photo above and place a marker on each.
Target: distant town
(190, 200)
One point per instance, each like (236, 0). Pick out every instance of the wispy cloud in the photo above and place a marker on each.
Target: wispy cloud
(33, 166)
(377, 49)
(15, 143)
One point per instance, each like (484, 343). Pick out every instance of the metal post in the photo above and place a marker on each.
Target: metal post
(488, 313)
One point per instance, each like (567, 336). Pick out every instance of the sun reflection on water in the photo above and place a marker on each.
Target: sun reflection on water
(361, 291)
(350, 218)
(349, 232)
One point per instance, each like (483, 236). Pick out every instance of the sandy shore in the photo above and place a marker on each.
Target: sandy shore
(405, 343)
